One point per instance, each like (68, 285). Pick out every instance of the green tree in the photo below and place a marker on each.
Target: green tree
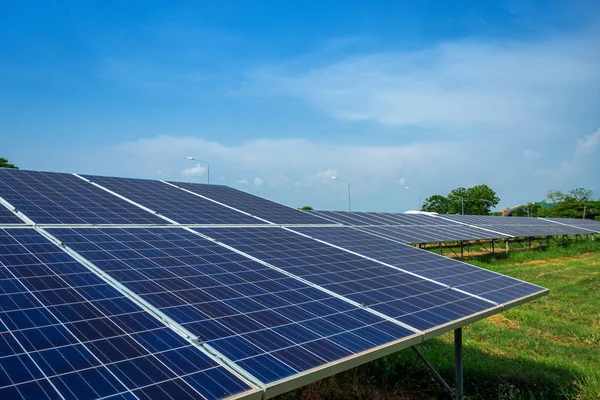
(579, 194)
(477, 200)
(5, 164)
(555, 196)
(306, 208)
(436, 203)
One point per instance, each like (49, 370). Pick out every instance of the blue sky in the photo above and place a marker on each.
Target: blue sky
(280, 96)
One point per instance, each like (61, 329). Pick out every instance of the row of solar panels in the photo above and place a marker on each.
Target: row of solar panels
(173, 312)
(57, 198)
(208, 312)
(425, 228)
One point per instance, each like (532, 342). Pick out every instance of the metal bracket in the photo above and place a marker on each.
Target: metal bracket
(458, 392)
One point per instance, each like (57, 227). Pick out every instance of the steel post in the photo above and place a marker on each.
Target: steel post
(458, 364)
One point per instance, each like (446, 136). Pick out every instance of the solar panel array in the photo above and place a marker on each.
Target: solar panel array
(131, 288)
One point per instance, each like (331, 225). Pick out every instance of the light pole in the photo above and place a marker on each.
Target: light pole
(348, 183)
(462, 205)
(409, 188)
(207, 168)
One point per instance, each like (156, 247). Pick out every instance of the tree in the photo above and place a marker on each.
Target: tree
(436, 203)
(555, 196)
(579, 194)
(306, 208)
(5, 164)
(477, 200)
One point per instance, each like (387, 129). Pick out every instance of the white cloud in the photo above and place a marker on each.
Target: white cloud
(197, 170)
(531, 155)
(242, 181)
(464, 83)
(588, 144)
(402, 181)
(258, 181)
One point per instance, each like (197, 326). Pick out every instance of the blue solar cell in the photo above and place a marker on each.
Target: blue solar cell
(267, 322)
(478, 281)
(181, 206)
(398, 294)
(7, 217)
(87, 341)
(258, 206)
(53, 198)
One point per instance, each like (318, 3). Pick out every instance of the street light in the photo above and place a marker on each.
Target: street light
(207, 167)
(338, 179)
(462, 205)
(409, 188)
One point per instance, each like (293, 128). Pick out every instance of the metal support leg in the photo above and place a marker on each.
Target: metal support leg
(458, 364)
(461, 250)
(458, 392)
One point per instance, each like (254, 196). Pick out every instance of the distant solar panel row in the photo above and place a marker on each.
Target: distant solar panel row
(53, 198)
(516, 226)
(410, 228)
(64, 330)
(263, 208)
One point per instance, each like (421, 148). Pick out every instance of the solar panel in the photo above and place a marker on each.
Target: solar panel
(515, 226)
(587, 224)
(270, 324)
(261, 207)
(54, 198)
(183, 207)
(66, 333)
(409, 299)
(477, 281)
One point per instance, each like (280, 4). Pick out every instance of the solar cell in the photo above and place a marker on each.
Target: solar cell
(515, 226)
(66, 333)
(412, 300)
(272, 325)
(478, 281)
(54, 198)
(183, 207)
(261, 207)
(7, 217)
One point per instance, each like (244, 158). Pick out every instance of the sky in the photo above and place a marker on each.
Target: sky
(280, 96)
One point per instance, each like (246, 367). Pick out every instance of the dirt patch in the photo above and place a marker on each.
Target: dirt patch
(501, 321)
(561, 260)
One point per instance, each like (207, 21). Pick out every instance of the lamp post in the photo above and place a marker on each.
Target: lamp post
(409, 188)
(462, 205)
(348, 183)
(207, 167)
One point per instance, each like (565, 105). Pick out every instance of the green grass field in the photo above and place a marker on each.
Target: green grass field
(547, 349)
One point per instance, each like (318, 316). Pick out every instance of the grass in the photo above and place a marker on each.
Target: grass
(547, 349)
